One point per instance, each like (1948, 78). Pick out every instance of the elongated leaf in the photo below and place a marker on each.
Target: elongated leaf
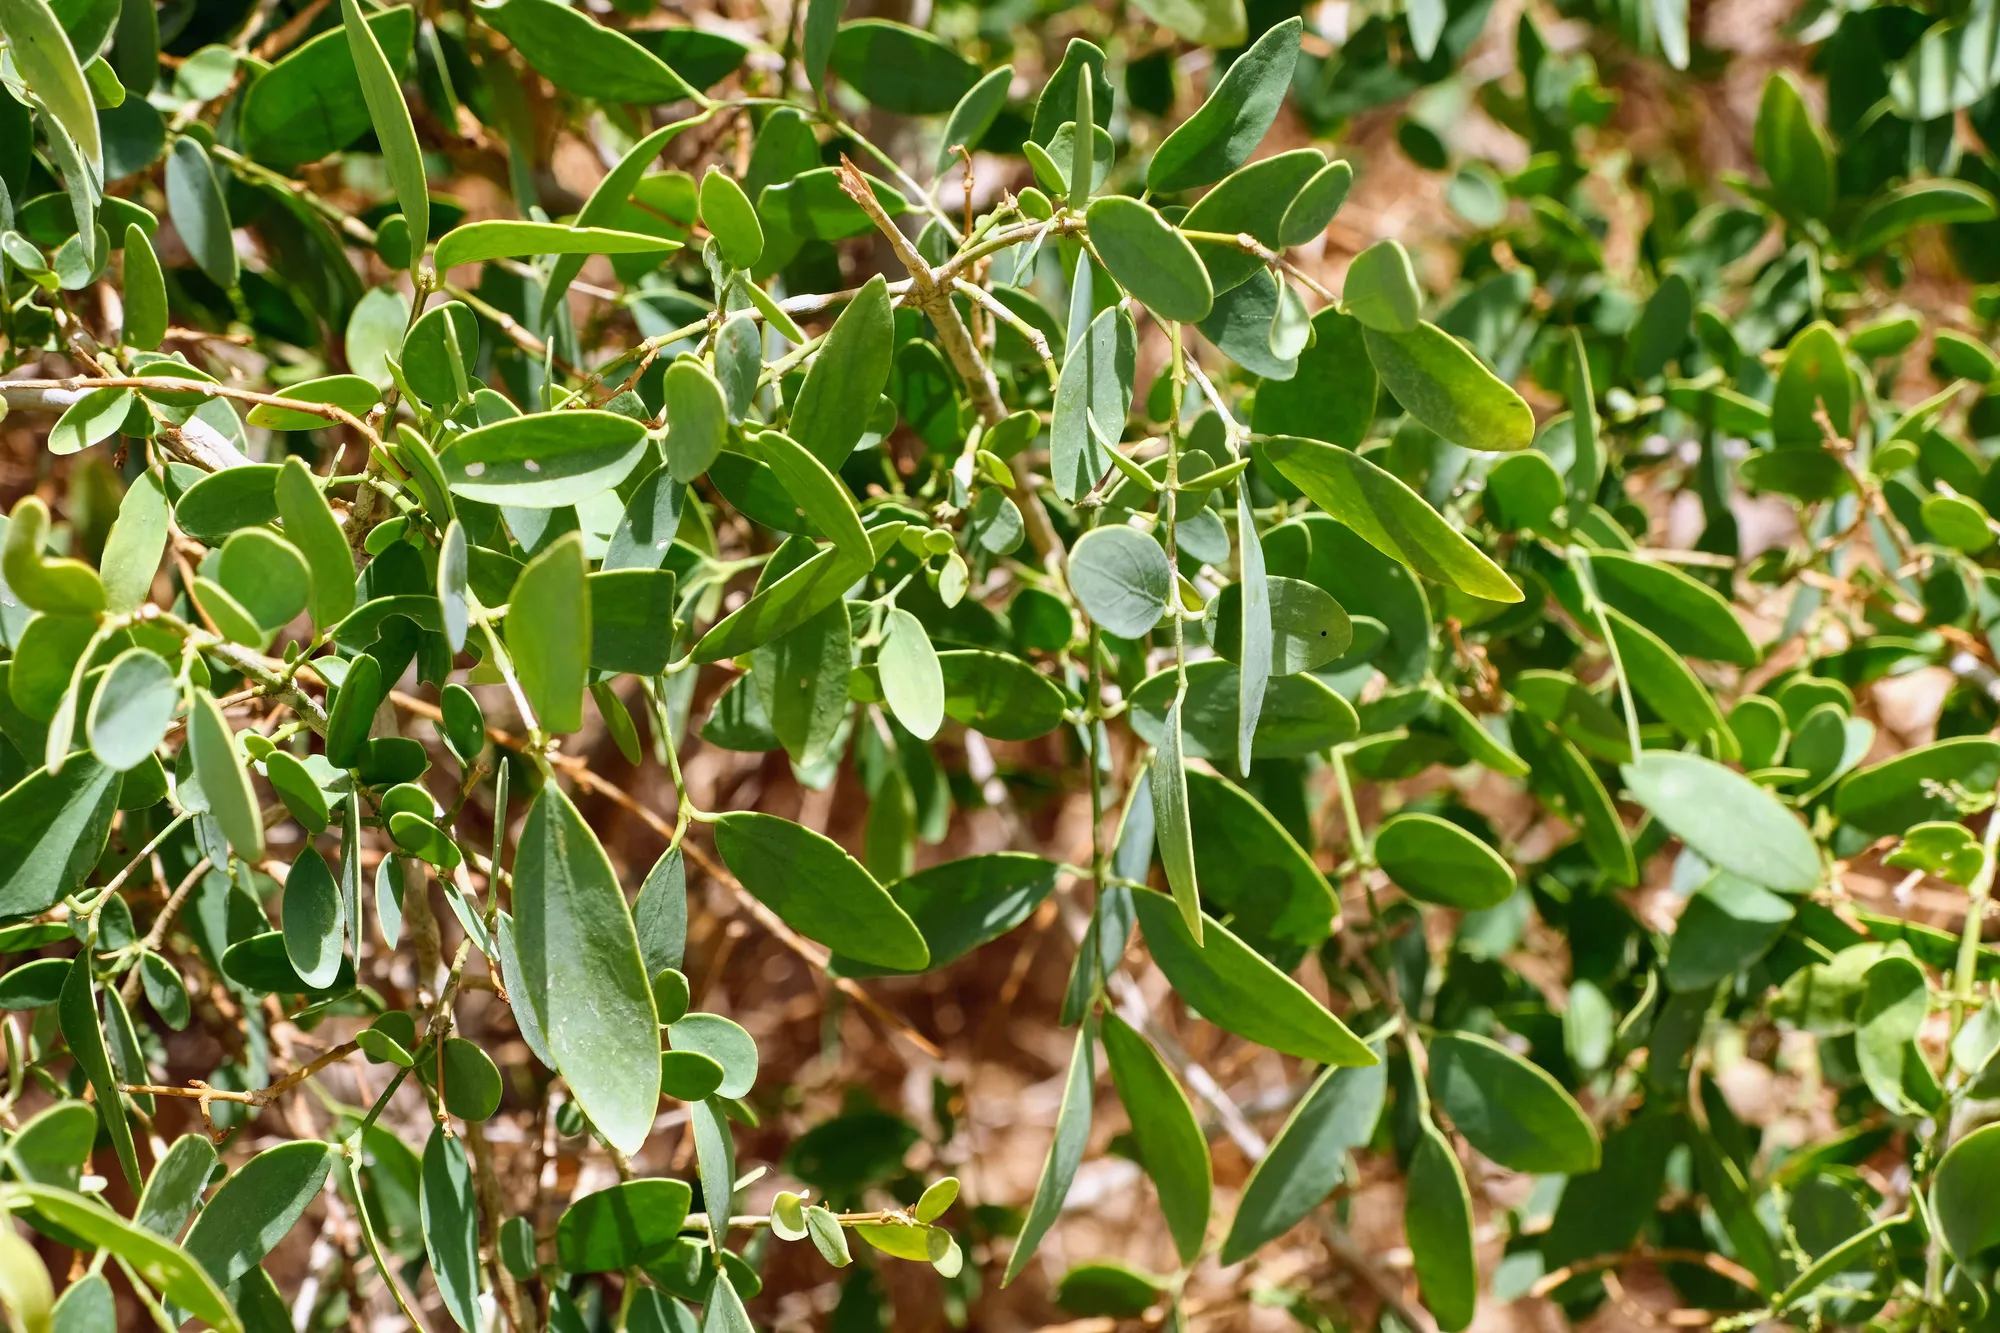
(817, 493)
(1437, 1218)
(548, 633)
(545, 461)
(580, 55)
(1174, 828)
(1381, 290)
(1443, 385)
(819, 890)
(974, 114)
(200, 213)
(912, 681)
(1509, 1109)
(846, 377)
(582, 973)
(82, 1029)
(1171, 1146)
(1220, 137)
(607, 201)
(311, 526)
(1921, 784)
(1689, 616)
(42, 52)
(451, 1227)
(1962, 1194)
(1388, 515)
(1436, 861)
(1234, 987)
(256, 1207)
(479, 242)
(1669, 686)
(697, 417)
(1150, 259)
(312, 920)
(174, 1271)
(224, 782)
(1729, 820)
(175, 1186)
(1251, 869)
(395, 131)
(1308, 1158)
(622, 1227)
(960, 905)
(1065, 1154)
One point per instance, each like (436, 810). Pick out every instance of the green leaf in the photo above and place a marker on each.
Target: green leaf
(1793, 151)
(959, 905)
(132, 550)
(822, 26)
(1149, 258)
(1174, 828)
(1252, 871)
(90, 419)
(1962, 1194)
(1309, 629)
(1661, 677)
(1435, 861)
(974, 114)
(256, 1207)
(1065, 1153)
(813, 206)
(609, 199)
(846, 377)
(581, 972)
(1302, 714)
(174, 1271)
(1689, 616)
(796, 597)
(579, 55)
(1381, 289)
(632, 620)
(312, 528)
(1308, 1158)
(1108, 1290)
(1728, 925)
(1662, 328)
(1312, 208)
(313, 102)
(732, 1049)
(901, 69)
(801, 682)
(132, 709)
(999, 696)
(1928, 783)
(1443, 385)
(450, 1217)
(1331, 396)
(819, 890)
(1221, 135)
(819, 495)
(1894, 1003)
(60, 587)
(1171, 1146)
(52, 830)
(1508, 1109)
(438, 353)
(1232, 986)
(361, 692)
(1215, 23)
(689, 1076)
(42, 53)
(266, 575)
(1919, 203)
(351, 392)
(201, 216)
(1814, 375)
(481, 242)
(312, 920)
(1730, 821)
(1058, 99)
(1437, 1219)
(1388, 515)
(912, 682)
(218, 765)
(645, 533)
(77, 1013)
(731, 218)
(1093, 394)
(625, 1226)
(1121, 579)
(548, 633)
(547, 461)
(401, 153)
(697, 418)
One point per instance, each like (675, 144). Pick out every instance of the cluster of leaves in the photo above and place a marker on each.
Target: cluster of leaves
(1329, 550)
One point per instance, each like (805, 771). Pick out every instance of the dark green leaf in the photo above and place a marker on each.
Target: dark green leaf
(1437, 1219)
(1435, 861)
(819, 890)
(1308, 1158)
(1149, 258)
(1171, 1146)
(1065, 1154)
(256, 1207)
(1443, 385)
(1509, 1109)
(579, 55)
(1220, 137)
(622, 1227)
(450, 1216)
(901, 69)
